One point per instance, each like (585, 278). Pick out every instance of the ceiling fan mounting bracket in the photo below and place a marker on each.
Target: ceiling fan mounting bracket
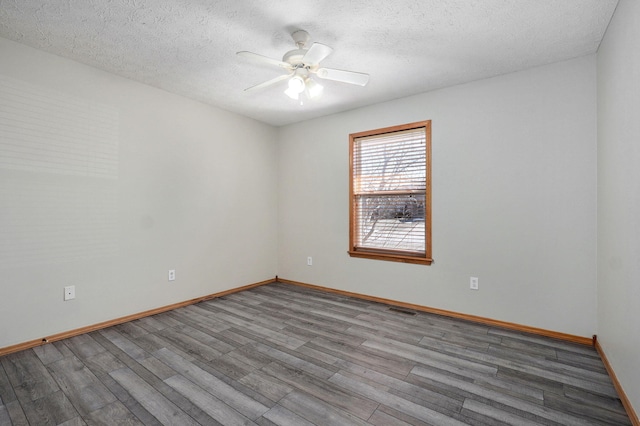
(300, 38)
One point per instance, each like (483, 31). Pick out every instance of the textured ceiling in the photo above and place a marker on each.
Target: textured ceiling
(407, 46)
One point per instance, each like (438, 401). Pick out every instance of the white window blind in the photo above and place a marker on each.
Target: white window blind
(389, 192)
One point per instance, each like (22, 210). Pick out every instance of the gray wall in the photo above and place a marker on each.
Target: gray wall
(514, 199)
(619, 196)
(106, 184)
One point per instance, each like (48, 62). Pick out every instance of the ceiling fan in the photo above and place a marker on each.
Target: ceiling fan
(301, 63)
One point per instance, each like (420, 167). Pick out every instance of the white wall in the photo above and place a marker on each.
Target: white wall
(514, 199)
(619, 196)
(106, 184)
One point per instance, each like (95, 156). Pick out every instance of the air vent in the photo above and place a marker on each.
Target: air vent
(402, 311)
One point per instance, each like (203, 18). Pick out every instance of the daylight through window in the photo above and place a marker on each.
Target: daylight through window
(391, 193)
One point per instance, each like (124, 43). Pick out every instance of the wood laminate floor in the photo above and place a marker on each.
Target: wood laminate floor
(286, 355)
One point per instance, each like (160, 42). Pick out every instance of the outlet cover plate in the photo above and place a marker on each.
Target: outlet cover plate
(473, 283)
(69, 292)
(172, 274)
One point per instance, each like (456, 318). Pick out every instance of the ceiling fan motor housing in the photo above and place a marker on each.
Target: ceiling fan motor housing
(294, 57)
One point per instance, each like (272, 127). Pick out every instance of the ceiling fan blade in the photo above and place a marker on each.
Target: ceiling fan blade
(263, 59)
(351, 77)
(267, 83)
(316, 53)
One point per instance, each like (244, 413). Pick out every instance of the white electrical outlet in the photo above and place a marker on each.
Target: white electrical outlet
(172, 274)
(309, 261)
(473, 283)
(69, 292)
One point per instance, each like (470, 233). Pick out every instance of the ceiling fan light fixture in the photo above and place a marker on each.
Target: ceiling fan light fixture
(296, 84)
(314, 89)
(292, 94)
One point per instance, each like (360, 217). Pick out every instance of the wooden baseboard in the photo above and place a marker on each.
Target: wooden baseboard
(482, 320)
(67, 334)
(635, 421)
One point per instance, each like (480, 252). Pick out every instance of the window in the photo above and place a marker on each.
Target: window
(390, 206)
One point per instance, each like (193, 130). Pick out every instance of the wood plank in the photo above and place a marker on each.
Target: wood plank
(526, 392)
(251, 357)
(509, 358)
(585, 397)
(380, 418)
(414, 410)
(397, 331)
(16, 414)
(151, 324)
(7, 393)
(217, 409)
(208, 338)
(235, 384)
(48, 354)
(320, 329)
(322, 390)
(318, 411)
(103, 363)
(76, 421)
(426, 395)
(362, 356)
(216, 387)
(581, 408)
(247, 312)
(433, 358)
(233, 335)
(157, 367)
(131, 330)
(495, 413)
(318, 355)
(192, 346)
(4, 415)
(124, 344)
(232, 367)
(261, 332)
(581, 361)
(130, 403)
(319, 371)
(152, 342)
(52, 409)
(479, 391)
(113, 414)
(268, 386)
(63, 348)
(153, 401)
(80, 385)
(283, 417)
(29, 377)
(84, 346)
(196, 315)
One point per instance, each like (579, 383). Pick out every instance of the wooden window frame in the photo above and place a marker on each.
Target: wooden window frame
(390, 254)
